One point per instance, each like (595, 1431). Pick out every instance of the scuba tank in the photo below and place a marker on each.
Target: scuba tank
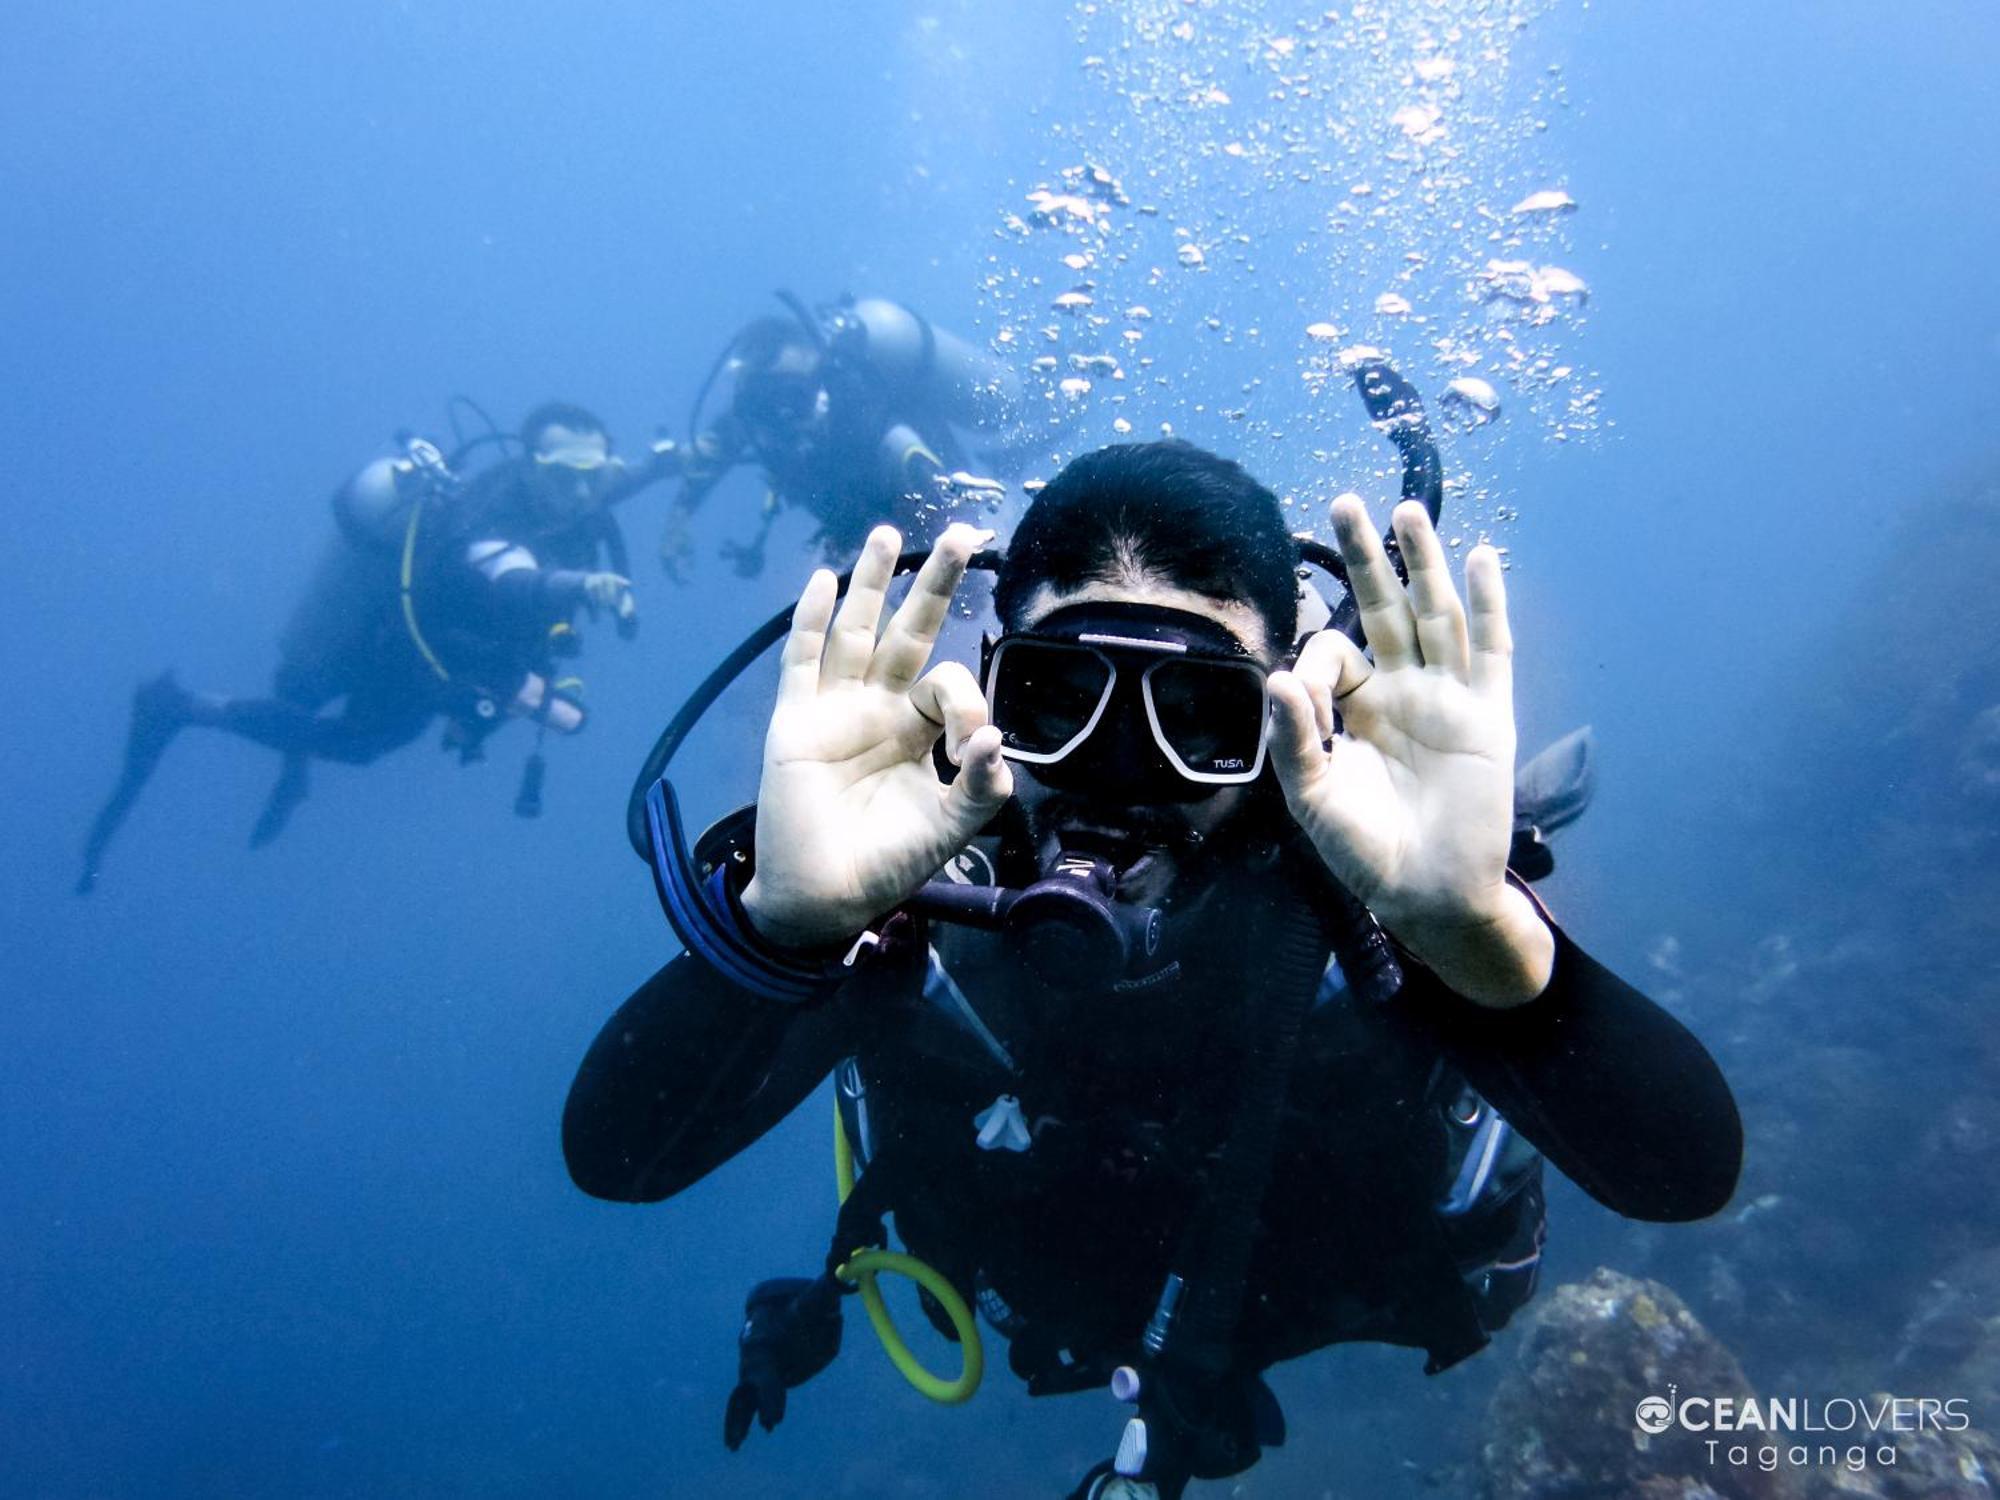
(352, 590)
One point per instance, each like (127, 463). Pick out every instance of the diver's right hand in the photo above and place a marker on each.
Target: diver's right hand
(851, 816)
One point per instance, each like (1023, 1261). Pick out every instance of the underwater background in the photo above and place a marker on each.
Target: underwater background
(284, 1209)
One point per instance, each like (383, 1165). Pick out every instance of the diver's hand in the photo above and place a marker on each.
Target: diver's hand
(963, 484)
(1412, 804)
(664, 459)
(791, 1331)
(610, 591)
(851, 816)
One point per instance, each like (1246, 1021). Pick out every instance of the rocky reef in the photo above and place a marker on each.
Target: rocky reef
(1590, 1408)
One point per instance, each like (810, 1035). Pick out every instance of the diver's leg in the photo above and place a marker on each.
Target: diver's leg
(375, 720)
(370, 724)
(287, 792)
(159, 709)
(310, 688)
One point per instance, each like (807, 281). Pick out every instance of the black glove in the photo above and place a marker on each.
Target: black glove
(791, 1331)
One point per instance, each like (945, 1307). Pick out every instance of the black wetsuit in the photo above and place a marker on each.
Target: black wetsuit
(486, 635)
(1130, 1098)
(500, 501)
(844, 478)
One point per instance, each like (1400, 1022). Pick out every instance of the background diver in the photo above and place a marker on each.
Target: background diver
(1229, 1036)
(851, 411)
(439, 596)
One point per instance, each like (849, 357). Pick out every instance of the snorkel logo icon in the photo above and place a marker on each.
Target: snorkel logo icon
(1655, 1414)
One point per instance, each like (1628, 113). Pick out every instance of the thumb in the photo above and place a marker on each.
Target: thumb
(1298, 749)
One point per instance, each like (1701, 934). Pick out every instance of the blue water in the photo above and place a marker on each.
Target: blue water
(284, 1208)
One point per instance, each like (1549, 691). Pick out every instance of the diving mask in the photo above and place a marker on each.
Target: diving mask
(1160, 704)
(583, 451)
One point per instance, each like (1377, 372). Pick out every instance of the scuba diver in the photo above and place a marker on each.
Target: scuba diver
(850, 410)
(1181, 1003)
(441, 595)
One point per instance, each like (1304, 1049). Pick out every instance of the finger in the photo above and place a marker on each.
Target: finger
(852, 641)
(798, 675)
(1492, 635)
(913, 629)
(1298, 749)
(1332, 667)
(1385, 609)
(1440, 617)
(948, 698)
(985, 780)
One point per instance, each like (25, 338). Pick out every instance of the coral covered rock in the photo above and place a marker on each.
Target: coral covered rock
(1563, 1423)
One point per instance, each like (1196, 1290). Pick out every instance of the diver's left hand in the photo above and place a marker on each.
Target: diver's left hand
(1412, 804)
(610, 591)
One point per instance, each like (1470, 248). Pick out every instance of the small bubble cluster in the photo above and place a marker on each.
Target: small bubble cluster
(1251, 202)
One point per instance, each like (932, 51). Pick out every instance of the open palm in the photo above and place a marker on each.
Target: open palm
(1411, 804)
(851, 815)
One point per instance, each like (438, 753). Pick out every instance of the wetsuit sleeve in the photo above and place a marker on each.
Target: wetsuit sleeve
(688, 1072)
(708, 460)
(611, 538)
(1611, 1088)
(664, 462)
(531, 596)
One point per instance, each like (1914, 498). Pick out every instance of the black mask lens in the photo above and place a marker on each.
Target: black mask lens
(1044, 695)
(1210, 714)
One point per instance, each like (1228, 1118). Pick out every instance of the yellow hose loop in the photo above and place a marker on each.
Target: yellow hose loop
(861, 1269)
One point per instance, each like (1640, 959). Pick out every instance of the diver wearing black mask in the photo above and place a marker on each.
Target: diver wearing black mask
(1223, 1033)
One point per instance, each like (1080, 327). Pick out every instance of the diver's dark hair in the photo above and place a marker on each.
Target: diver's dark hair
(1166, 510)
(559, 414)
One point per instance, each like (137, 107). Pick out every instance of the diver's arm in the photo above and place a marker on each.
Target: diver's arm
(534, 595)
(689, 1071)
(1609, 1086)
(611, 537)
(666, 459)
(706, 462)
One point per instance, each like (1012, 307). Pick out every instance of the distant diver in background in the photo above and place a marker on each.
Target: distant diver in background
(441, 596)
(852, 412)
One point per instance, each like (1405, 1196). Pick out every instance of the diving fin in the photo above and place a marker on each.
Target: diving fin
(288, 792)
(1550, 792)
(159, 709)
(1553, 790)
